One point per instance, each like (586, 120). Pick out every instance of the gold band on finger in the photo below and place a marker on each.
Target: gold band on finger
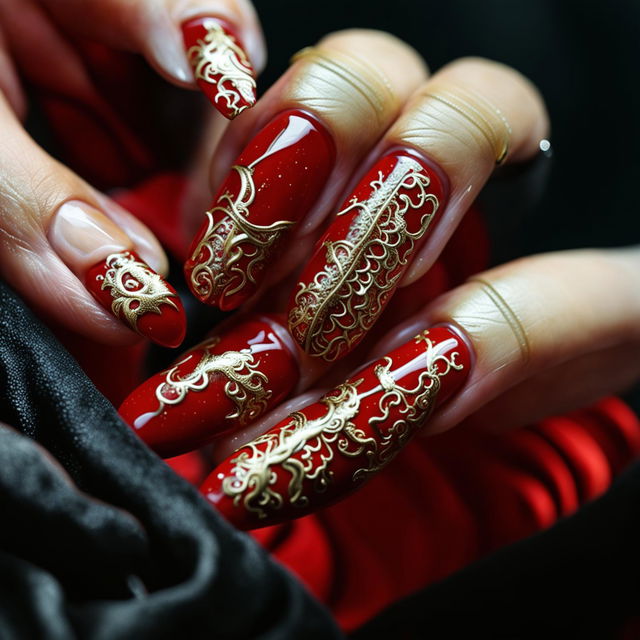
(479, 111)
(509, 315)
(369, 82)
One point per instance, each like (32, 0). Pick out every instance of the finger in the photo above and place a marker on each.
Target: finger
(508, 325)
(219, 41)
(63, 250)
(299, 161)
(506, 100)
(521, 405)
(561, 313)
(423, 175)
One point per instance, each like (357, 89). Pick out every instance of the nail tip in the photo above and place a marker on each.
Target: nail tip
(231, 113)
(207, 291)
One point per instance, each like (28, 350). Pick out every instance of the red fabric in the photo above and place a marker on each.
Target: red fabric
(191, 466)
(156, 203)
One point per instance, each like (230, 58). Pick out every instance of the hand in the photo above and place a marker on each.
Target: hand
(70, 251)
(508, 335)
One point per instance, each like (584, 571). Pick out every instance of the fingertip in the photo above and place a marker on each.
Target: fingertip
(162, 42)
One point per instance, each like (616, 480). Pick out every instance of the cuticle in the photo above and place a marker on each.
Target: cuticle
(424, 157)
(454, 327)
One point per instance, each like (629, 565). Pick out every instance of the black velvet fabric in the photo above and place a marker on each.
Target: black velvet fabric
(115, 545)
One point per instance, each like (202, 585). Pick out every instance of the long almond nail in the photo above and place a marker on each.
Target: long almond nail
(226, 382)
(324, 452)
(359, 261)
(220, 65)
(275, 181)
(94, 248)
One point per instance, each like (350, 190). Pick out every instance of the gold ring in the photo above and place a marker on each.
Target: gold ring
(509, 315)
(474, 107)
(369, 81)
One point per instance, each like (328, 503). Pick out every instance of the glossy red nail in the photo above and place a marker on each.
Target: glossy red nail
(273, 184)
(138, 296)
(359, 261)
(227, 381)
(220, 65)
(324, 452)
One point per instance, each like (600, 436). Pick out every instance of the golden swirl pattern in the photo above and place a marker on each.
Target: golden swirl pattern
(135, 288)
(218, 59)
(304, 449)
(342, 302)
(234, 248)
(245, 385)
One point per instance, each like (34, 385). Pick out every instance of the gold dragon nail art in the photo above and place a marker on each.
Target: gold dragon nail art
(353, 274)
(135, 288)
(233, 250)
(365, 422)
(245, 386)
(220, 66)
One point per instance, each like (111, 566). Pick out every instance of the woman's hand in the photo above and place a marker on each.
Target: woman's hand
(70, 251)
(517, 343)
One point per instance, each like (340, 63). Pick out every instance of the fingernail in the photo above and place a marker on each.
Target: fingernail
(360, 260)
(81, 235)
(139, 297)
(324, 452)
(220, 64)
(94, 248)
(226, 382)
(275, 181)
(165, 45)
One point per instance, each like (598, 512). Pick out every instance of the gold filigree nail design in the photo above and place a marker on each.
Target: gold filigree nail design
(219, 60)
(286, 465)
(135, 288)
(233, 250)
(245, 385)
(335, 309)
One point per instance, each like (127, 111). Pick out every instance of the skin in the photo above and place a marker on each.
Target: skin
(578, 311)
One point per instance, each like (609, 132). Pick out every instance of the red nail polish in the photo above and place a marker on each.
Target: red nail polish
(138, 296)
(227, 381)
(327, 450)
(220, 65)
(359, 261)
(275, 181)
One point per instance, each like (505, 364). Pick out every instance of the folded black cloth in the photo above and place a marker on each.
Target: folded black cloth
(115, 545)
